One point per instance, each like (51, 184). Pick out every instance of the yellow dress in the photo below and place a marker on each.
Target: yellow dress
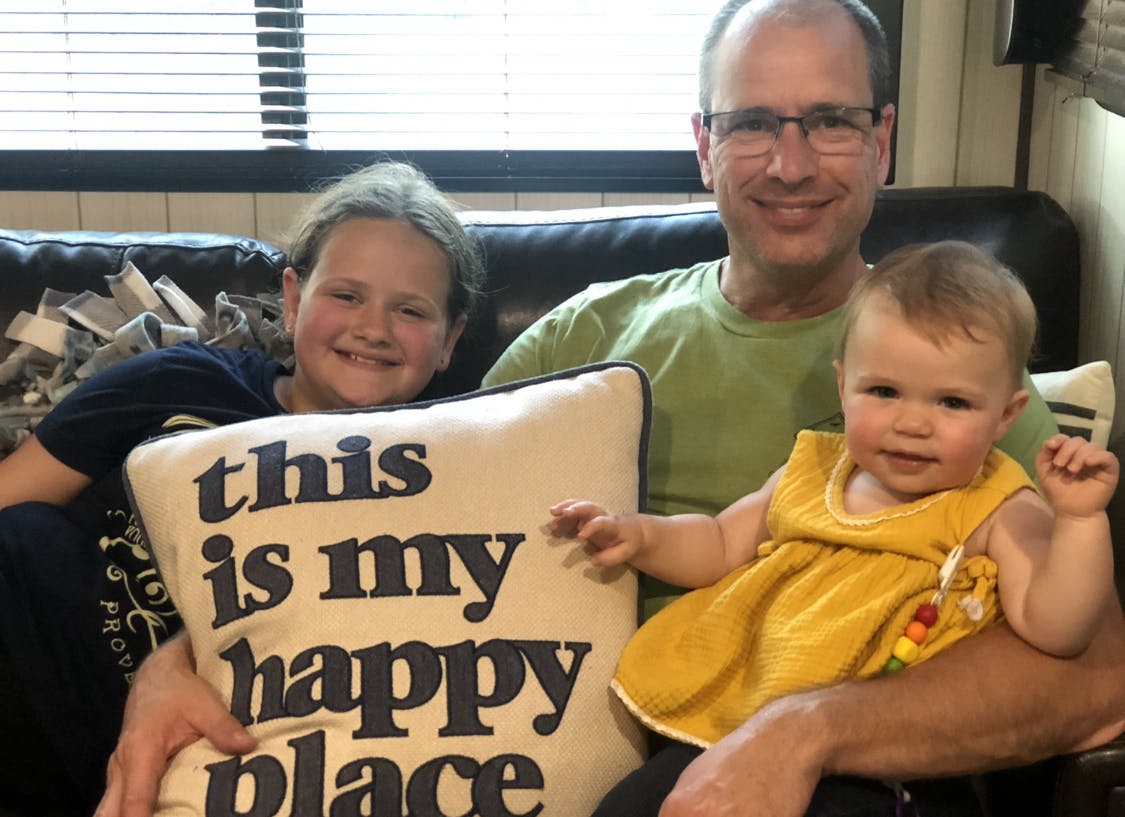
(825, 600)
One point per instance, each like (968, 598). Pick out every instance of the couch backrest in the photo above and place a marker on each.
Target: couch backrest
(202, 264)
(537, 259)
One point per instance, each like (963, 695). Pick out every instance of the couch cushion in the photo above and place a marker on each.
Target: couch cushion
(1082, 399)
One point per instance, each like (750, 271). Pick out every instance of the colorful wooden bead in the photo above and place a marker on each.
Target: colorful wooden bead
(893, 665)
(927, 614)
(916, 631)
(905, 650)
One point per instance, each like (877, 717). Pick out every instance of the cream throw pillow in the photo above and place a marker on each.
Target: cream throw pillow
(374, 593)
(1082, 399)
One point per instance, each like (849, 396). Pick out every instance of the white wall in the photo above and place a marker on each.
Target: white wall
(1078, 157)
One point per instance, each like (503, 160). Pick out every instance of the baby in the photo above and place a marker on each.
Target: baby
(873, 549)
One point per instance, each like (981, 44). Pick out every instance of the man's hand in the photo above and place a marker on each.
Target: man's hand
(168, 708)
(762, 769)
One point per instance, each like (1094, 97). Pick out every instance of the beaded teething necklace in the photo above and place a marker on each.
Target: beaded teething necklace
(909, 645)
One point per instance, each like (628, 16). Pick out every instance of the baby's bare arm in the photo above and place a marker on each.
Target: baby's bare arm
(688, 550)
(1056, 563)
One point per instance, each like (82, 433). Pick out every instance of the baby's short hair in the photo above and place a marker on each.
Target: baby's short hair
(947, 287)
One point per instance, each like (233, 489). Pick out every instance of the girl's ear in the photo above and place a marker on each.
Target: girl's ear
(838, 365)
(1015, 406)
(291, 292)
(451, 338)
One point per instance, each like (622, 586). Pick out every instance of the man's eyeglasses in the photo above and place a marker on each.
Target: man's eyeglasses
(830, 130)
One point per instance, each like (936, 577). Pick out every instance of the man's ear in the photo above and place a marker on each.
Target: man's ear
(883, 141)
(703, 150)
(1015, 406)
(291, 292)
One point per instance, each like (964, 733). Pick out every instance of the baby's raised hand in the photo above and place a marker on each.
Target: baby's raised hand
(617, 538)
(1077, 477)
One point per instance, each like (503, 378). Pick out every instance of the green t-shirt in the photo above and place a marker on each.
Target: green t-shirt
(729, 392)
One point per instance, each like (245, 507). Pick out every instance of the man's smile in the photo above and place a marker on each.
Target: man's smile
(792, 212)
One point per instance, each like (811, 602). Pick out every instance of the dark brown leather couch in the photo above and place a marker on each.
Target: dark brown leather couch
(536, 259)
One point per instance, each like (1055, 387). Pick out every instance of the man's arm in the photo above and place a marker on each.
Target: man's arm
(565, 336)
(987, 702)
(168, 708)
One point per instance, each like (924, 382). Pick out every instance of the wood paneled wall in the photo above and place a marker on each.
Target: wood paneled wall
(1078, 157)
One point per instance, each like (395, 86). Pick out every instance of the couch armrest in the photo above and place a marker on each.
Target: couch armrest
(1092, 783)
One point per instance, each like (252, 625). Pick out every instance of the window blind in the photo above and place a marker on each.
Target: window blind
(127, 74)
(342, 74)
(276, 94)
(1094, 53)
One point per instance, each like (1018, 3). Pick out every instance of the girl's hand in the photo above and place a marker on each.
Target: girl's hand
(1077, 477)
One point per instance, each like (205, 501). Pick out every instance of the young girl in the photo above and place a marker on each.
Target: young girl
(871, 550)
(382, 281)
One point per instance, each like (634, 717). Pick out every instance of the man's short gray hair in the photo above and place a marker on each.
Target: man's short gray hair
(801, 12)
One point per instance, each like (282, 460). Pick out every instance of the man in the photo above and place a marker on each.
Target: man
(739, 353)
(739, 342)
(740, 350)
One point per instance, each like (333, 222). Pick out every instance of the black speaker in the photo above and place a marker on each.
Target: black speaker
(1030, 31)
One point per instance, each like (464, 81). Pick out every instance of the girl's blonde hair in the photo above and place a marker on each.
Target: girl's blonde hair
(397, 192)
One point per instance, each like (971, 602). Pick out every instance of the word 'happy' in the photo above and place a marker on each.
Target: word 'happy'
(321, 677)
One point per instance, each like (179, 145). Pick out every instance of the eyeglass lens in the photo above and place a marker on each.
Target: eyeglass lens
(841, 130)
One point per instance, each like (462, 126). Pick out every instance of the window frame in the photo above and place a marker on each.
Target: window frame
(297, 170)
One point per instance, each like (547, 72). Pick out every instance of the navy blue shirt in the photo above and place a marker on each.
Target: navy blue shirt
(188, 385)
